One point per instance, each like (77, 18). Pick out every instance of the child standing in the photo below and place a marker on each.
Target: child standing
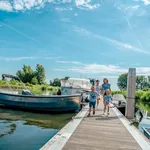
(92, 100)
(107, 101)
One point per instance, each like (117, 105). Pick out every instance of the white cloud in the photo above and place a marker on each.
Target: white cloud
(59, 69)
(116, 43)
(85, 4)
(135, 7)
(61, 9)
(98, 68)
(143, 70)
(69, 62)
(16, 58)
(102, 69)
(76, 14)
(53, 57)
(65, 20)
(146, 2)
(108, 77)
(27, 58)
(22, 5)
(6, 6)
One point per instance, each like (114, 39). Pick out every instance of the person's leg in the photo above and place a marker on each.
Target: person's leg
(98, 99)
(108, 110)
(94, 103)
(90, 105)
(104, 108)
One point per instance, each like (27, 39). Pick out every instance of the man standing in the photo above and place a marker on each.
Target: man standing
(98, 88)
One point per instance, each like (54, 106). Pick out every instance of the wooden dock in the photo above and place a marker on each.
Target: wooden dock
(98, 132)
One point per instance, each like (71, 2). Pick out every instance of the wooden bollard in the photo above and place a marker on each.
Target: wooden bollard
(131, 86)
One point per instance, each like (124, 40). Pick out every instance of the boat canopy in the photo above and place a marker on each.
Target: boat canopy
(76, 83)
(4, 76)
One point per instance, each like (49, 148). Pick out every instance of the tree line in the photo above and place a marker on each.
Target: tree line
(142, 82)
(38, 76)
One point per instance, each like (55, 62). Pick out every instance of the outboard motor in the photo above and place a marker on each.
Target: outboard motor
(26, 92)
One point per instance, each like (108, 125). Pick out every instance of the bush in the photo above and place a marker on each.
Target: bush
(50, 89)
(146, 89)
(139, 96)
(43, 88)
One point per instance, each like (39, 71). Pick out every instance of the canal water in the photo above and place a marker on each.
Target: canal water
(21, 130)
(146, 118)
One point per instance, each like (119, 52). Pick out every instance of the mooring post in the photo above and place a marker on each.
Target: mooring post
(131, 86)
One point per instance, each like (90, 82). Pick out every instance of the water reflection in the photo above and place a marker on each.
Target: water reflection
(23, 137)
(145, 107)
(17, 128)
(55, 121)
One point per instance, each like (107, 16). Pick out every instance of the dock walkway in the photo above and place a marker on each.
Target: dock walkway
(98, 132)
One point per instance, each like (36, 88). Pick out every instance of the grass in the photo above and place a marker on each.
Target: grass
(36, 89)
(136, 124)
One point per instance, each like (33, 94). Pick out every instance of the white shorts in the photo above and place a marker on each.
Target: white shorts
(98, 97)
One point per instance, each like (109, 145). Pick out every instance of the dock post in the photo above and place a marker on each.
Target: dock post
(131, 86)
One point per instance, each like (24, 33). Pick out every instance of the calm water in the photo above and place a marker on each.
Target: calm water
(21, 130)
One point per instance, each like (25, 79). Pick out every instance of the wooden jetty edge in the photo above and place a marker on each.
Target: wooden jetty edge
(98, 132)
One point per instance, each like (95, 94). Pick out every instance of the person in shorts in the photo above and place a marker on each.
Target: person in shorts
(92, 100)
(107, 101)
(98, 88)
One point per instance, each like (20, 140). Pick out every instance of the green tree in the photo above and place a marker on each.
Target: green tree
(56, 82)
(65, 78)
(141, 82)
(34, 81)
(26, 74)
(122, 81)
(148, 78)
(40, 74)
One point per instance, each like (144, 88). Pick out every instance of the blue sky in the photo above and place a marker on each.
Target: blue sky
(77, 38)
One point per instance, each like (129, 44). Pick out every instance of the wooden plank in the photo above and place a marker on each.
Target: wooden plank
(100, 132)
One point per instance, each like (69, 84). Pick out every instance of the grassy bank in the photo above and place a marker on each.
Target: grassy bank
(143, 96)
(36, 89)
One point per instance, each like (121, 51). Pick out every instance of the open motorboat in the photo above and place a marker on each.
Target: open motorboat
(27, 100)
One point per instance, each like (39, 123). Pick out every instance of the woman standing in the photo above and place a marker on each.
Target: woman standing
(105, 86)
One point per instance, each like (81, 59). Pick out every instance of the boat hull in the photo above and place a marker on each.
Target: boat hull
(44, 103)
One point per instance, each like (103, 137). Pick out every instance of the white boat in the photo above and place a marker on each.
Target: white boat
(76, 86)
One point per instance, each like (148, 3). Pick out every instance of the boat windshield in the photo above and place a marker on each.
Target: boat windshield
(76, 83)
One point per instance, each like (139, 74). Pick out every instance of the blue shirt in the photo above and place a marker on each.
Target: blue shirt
(93, 96)
(106, 86)
(108, 98)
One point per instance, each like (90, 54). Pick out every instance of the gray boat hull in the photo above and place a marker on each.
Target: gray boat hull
(44, 103)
